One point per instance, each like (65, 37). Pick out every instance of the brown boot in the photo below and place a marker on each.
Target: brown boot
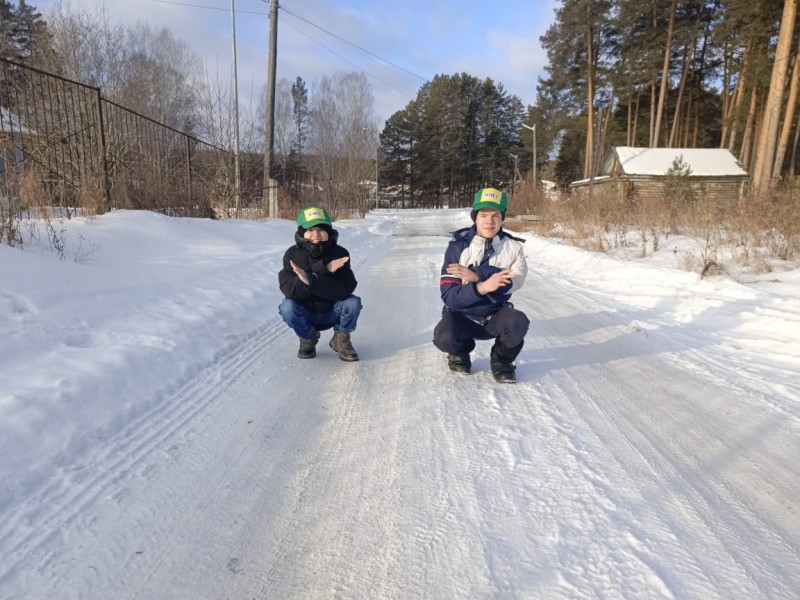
(340, 342)
(308, 348)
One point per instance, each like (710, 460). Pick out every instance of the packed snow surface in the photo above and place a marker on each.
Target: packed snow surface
(161, 440)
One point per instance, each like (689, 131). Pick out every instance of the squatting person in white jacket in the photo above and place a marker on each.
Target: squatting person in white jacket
(482, 266)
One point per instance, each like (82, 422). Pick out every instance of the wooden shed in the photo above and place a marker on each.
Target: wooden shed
(634, 173)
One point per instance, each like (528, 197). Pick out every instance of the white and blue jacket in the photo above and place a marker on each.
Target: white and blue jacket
(485, 257)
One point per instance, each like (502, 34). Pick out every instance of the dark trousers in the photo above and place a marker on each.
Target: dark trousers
(456, 334)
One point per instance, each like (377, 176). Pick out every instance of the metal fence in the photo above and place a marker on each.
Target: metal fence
(85, 151)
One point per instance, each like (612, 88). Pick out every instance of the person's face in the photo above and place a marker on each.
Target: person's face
(488, 222)
(316, 235)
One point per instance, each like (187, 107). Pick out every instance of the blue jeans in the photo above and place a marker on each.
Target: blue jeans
(342, 317)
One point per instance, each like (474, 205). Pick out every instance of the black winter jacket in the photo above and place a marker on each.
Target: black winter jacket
(325, 288)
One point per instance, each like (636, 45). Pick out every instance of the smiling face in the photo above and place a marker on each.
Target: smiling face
(488, 222)
(316, 235)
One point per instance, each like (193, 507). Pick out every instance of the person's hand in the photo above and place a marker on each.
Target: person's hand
(463, 272)
(337, 264)
(301, 275)
(496, 281)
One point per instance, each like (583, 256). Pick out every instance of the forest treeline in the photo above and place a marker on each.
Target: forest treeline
(669, 73)
(660, 73)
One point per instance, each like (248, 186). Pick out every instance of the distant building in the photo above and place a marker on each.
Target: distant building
(12, 130)
(634, 173)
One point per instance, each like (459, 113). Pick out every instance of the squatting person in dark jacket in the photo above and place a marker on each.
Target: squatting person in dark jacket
(318, 284)
(483, 265)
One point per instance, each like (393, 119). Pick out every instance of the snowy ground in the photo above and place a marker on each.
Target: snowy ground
(160, 440)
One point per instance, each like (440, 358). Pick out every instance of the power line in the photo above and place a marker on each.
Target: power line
(346, 60)
(249, 12)
(309, 36)
(352, 44)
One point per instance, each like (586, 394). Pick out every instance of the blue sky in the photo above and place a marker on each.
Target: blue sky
(498, 39)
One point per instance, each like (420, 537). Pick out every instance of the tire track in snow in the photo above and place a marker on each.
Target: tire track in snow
(59, 503)
(350, 518)
(629, 407)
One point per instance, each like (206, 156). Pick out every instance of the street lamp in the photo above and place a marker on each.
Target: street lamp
(533, 129)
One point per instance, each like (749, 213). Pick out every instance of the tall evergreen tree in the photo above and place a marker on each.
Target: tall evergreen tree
(28, 33)
(301, 115)
(455, 136)
(6, 24)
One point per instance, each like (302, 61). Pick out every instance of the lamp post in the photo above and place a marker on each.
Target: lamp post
(533, 129)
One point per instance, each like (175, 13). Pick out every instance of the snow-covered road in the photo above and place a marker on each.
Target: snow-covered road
(633, 459)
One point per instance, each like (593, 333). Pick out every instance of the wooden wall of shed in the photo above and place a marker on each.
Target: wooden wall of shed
(627, 190)
(606, 187)
(715, 191)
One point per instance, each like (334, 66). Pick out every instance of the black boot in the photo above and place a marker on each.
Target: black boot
(501, 361)
(308, 347)
(459, 363)
(340, 342)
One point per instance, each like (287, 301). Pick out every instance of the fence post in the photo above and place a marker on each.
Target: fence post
(102, 142)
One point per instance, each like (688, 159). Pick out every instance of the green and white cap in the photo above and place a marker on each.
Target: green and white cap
(490, 198)
(314, 216)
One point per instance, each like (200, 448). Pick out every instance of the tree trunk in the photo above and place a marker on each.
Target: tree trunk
(630, 118)
(726, 95)
(673, 134)
(793, 163)
(767, 138)
(688, 124)
(745, 151)
(731, 124)
(786, 129)
(739, 94)
(652, 113)
(665, 74)
(588, 166)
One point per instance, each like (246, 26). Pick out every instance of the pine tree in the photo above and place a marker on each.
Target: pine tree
(7, 49)
(301, 115)
(28, 33)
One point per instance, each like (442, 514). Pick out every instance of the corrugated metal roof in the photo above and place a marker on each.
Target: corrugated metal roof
(704, 162)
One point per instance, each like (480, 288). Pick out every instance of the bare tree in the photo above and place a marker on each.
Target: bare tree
(87, 47)
(150, 72)
(160, 77)
(343, 140)
(284, 128)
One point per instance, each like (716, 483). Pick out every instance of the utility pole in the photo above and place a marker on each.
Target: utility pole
(270, 196)
(237, 184)
(514, 179)
(533, 130)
